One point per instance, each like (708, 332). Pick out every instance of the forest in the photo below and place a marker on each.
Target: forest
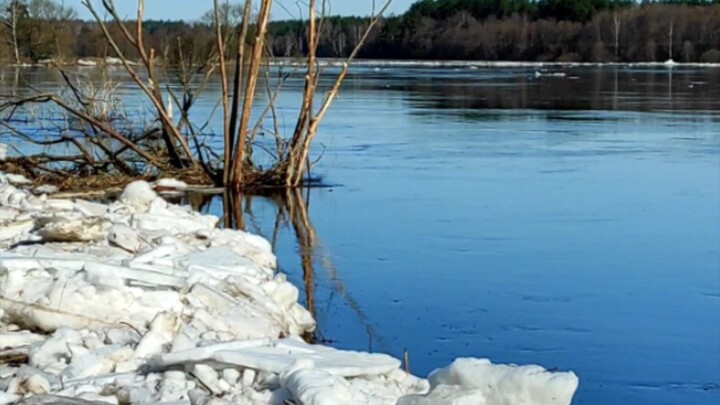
(508, 30)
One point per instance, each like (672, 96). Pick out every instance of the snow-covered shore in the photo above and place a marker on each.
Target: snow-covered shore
(141, 301)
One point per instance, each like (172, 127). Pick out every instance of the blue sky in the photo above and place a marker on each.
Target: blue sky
(191, 10)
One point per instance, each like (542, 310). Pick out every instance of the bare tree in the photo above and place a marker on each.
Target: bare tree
(309, 120)
(292, 161)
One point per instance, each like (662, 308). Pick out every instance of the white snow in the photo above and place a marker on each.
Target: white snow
(46, 189)
(137, 196)
(109, 60)
(17, 179)
(171, 184)
(86, 62)
(113, 61)
(141, 301)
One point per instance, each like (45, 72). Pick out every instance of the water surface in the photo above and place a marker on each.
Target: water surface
(568, 217)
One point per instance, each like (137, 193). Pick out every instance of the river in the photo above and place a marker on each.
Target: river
(558, 215)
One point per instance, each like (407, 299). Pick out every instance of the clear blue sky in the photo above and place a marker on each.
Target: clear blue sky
(191, 10)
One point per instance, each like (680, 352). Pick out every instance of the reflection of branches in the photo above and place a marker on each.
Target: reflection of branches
(311, 250)
(339, 287)
(198, 201)
(307, 239)
(232, 208)
(293, 209)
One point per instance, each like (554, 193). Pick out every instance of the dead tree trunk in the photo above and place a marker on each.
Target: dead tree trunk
(238, 158)
(234, 132)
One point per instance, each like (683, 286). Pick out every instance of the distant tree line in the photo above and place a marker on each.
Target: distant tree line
(513, 30)
(35, 28)
(525, 30)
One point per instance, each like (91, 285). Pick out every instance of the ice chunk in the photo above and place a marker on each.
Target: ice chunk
(37, 384)
(208, 377)
(126, 238)
(308, 385)
(169, 223)
(7, 398)
(46, 189)
(509, 384)
(162, 332)
(90, 209)
(64, 229)
(172, 184)
(21, 338)
(15, 230)
(54, 349)
(138, 195)
(232, 375)
(447, 395)
(58, 400)
(275, 356)
(17, 179)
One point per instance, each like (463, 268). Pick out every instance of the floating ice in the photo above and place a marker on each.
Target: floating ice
(170, 184)
(141, 301)
(508, 384)
(479, 382)
(86, 62)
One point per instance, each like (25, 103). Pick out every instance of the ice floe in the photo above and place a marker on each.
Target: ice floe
(142, 301)
(86, 62)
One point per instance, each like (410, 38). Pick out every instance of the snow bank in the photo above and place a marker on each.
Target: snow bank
(141, 301)
(86, 62)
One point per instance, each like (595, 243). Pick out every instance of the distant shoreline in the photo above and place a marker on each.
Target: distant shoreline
(333, 62)
(481, 64)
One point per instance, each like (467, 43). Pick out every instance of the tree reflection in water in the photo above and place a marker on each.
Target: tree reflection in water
(291, 214)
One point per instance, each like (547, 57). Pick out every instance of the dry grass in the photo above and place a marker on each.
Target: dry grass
(97, 182)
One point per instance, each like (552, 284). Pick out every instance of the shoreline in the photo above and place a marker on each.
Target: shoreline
(142, 301)
(398, 63)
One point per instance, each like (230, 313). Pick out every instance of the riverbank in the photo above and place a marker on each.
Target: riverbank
(397, 63)
(143, 301)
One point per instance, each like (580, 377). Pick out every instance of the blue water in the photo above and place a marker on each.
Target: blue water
(572, 222)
